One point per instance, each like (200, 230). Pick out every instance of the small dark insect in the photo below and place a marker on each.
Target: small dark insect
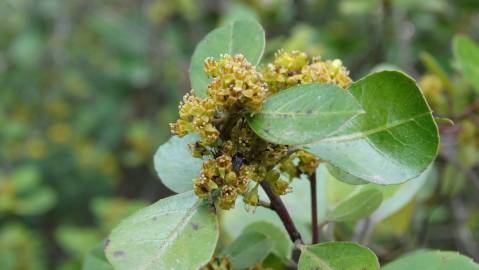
(237, 161)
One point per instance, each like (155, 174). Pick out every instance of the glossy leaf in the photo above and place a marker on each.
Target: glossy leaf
(96, 260)
(394, 141)
(337, 256)
(245, 37)
(248, 249)
(281, 243)
(466, 52)
(154, 237)
(304, 113)
(432, 260)
(356, 207)
(175, 165)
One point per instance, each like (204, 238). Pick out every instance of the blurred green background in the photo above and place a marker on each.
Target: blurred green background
(88, 87)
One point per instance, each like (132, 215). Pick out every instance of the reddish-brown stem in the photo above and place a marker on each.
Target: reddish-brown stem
(278, 206)
(314, 209)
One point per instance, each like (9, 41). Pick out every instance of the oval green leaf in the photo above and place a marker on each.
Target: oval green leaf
(466, 53)
(305, 113)
(356, 207)
(175, 165)
(245, 37)
(248, 249)
(281, 244)
(394, 141)
(337, 256)
(432, 260)
(154, 237)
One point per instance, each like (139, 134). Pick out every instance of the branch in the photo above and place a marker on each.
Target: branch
(277, 205)
(314, 209)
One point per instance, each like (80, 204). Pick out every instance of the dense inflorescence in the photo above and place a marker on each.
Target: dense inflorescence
(236, 159)
(292, 68)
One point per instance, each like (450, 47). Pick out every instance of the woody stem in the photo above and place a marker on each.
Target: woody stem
(314, 208)
(278, 206)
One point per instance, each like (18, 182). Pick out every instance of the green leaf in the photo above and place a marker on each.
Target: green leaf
(281, 244)
(96, 260)
(175, 165)
(344, 176)
(238, 37)
(432, 260)
(466, 53)
(177, 232)
(305, 113)
(337, 256)
(248, 249)
(356, 207)
(394, 141)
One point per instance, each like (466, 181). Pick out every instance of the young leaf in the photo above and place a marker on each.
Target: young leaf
(337, 256)
(281, 244)
(466, 53)
(96, 260)
(357, 207)
(432, 260)
(305, 113)
(154, 237)
(245, 37)
(248, 249)
(394, 141)
(175, 165)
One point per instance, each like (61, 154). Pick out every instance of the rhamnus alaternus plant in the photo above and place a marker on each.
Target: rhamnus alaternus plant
(250, 134)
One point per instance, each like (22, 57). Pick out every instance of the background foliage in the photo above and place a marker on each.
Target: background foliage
(87, 89)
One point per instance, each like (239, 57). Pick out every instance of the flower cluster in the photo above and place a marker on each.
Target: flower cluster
(196, 116)
(236, 159)
(292, 68)
(236, 83)
(300, 162)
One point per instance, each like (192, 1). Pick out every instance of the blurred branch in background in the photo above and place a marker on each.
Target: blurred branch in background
(87, 89)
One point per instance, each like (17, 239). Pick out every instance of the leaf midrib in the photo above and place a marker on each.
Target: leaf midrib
(317, 113)
(367, 133)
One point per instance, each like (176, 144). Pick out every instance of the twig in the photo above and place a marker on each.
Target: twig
(277, 205)
(314, 208)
